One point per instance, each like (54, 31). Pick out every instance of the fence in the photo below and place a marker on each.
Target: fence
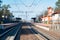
(55, 25)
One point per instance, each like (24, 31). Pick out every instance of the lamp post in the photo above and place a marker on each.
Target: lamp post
(2, 18)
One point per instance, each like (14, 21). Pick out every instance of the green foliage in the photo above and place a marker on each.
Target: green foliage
(5, 11)
(45, 13)
(5, 7)
(57, 5)
(0, 1)
(1, 13)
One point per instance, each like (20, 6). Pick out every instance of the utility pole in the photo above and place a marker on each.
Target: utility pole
(26, 14)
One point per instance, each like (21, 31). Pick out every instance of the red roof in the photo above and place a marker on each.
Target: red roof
(49, 7)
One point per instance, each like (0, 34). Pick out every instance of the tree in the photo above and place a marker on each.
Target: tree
(0, 3)
(45, 13)
(5, 10)
(57, 6)
(6, 7)
(0, 9)
(5, 13)
(1, 13)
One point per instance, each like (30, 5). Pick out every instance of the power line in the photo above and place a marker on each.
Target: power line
(27, 5)
(26, 12)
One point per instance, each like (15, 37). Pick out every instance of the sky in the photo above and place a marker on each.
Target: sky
(26, 9)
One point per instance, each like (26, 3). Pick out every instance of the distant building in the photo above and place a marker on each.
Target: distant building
(56, 16)
(18, 19)
(56, 21)
(33, 19)
(52, 18)
(47, 19)
(50, 12)
(43, 19)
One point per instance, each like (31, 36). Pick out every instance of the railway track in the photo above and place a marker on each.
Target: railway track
(44, 33)
(20, 32)
(10, 34)
(6, 30)
(29, 31)
(39, 35)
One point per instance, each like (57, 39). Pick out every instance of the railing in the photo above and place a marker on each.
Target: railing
(55, 25)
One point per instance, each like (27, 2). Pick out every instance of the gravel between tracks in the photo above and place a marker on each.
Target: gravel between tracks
(26, 34)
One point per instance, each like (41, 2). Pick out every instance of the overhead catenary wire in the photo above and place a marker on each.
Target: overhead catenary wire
(18, 7)
(27, 5)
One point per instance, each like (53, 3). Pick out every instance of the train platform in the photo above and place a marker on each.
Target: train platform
(44, 28)
(7, 25)
(42, 24)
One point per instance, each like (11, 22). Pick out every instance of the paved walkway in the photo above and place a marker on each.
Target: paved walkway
(7, 25)
(41, 24)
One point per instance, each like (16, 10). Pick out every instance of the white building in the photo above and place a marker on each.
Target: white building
(56, 21)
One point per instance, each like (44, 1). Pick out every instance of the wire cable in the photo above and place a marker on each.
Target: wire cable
(27, 5)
